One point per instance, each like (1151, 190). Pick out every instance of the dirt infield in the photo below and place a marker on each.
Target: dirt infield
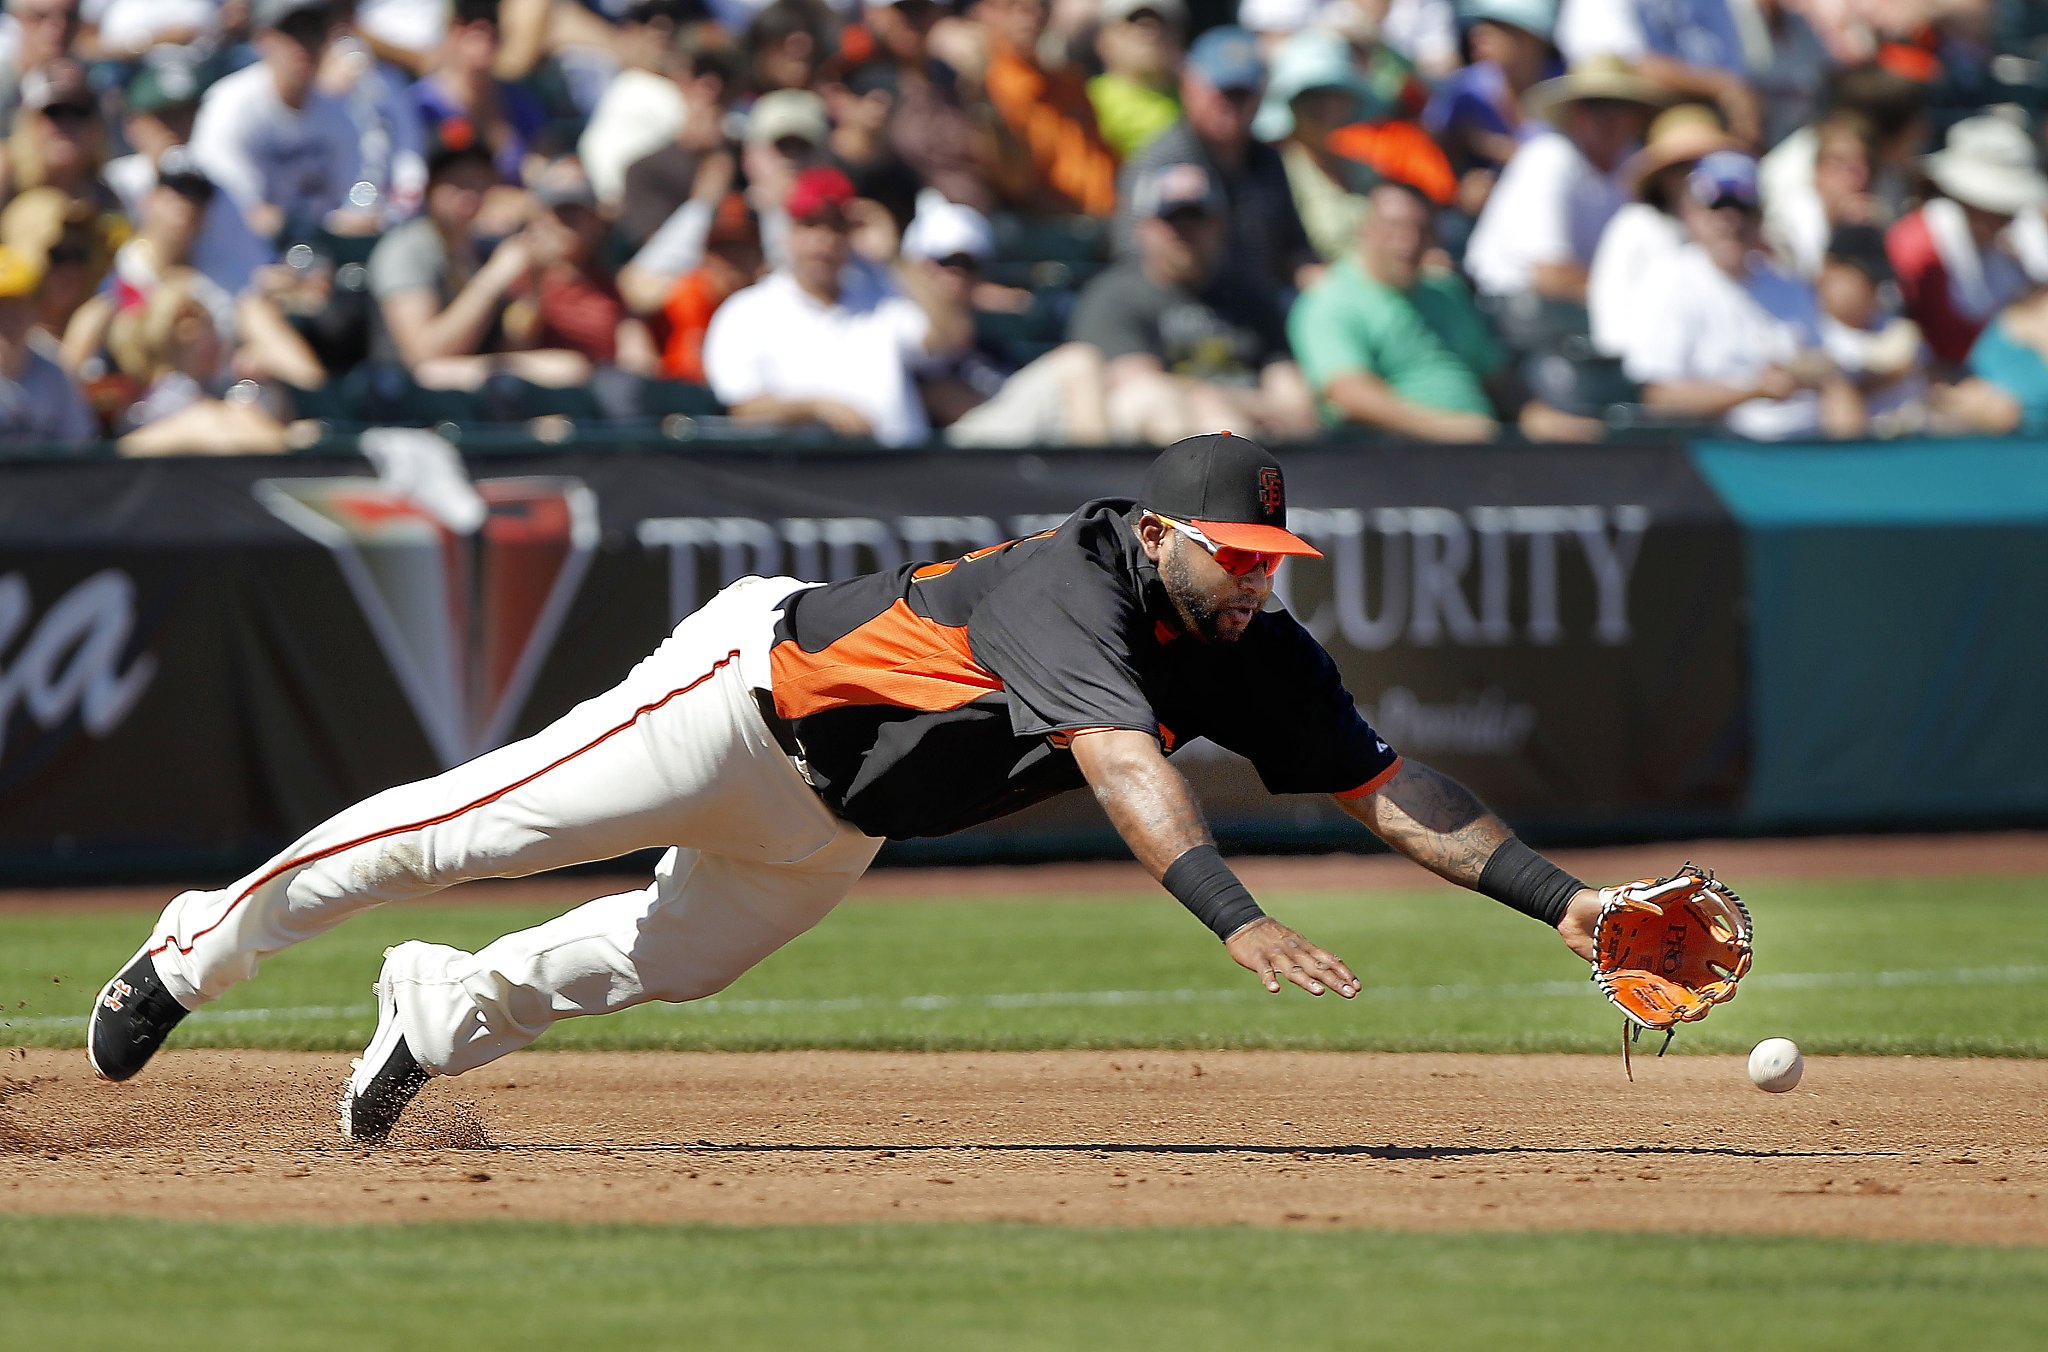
(1897, 1148)
(1882, 1148)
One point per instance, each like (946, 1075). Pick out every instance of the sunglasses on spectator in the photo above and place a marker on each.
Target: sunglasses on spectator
(1232, 560)
(73, 114)
(1729, 199)
(69, 255)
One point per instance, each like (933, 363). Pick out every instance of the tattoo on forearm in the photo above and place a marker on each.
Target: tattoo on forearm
(1437, 822)
(1153, 810)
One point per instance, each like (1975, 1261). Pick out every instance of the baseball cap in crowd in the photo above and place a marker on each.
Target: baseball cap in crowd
(943, 229)
(452, 144)
(1531, 16)
(782, 113)
(1228, 488)
(817, 194)
(1723, 178)
(1227, 58)
(178, 169)
(162, 85)
(1174, 13)
(1174, 188)
(277, 13)
(1311, 60)
(734, 222)
(19, 276)
(1862, 248)
(60, 84)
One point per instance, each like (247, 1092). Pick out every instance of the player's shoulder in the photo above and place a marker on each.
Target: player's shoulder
(1090, 566)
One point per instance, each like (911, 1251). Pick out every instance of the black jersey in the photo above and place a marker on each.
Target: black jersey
(932, 697)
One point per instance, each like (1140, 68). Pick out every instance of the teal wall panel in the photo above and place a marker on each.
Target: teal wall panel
(1898, 610)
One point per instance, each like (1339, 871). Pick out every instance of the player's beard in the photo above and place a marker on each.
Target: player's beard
(1200, 612)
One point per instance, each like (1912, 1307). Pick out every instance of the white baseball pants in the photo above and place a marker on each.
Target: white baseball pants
(675, 755)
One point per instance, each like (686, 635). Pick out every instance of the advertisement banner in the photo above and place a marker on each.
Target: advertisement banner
(200, 659)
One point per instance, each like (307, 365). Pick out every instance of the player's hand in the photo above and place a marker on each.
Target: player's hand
(1279, 954)
(1576, 929)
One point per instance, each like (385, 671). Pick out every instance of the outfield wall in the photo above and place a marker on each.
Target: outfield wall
(201, 658)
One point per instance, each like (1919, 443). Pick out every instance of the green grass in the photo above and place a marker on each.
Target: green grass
(101, 1283)
(1967, 961)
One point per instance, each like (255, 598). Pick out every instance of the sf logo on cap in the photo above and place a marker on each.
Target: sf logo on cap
(1272, 492)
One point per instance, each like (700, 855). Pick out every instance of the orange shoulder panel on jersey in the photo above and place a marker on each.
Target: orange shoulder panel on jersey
(898, 658)
(932, 570)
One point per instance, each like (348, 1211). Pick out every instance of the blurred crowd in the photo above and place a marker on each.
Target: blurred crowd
(1012, 222)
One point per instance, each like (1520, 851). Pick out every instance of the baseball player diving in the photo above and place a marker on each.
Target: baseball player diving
(781, 733)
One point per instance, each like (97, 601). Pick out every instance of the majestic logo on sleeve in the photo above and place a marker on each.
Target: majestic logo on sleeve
(465, 617)
(1272, 491)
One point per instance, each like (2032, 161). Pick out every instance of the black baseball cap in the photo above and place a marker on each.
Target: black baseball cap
(1229, 488)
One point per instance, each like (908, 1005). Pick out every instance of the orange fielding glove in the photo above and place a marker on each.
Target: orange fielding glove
(1667, 950)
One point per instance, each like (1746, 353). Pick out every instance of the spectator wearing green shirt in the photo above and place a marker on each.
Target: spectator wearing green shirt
(1385, 344)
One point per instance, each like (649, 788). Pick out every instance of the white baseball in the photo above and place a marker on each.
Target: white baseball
(1776, 1065)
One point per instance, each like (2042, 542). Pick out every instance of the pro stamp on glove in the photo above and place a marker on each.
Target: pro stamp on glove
(1667, 950)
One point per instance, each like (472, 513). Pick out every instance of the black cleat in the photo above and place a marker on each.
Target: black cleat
(384, 1080)
(130, 1020)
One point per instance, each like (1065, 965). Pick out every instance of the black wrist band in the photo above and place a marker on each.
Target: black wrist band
(1203, 883)
(1517, 876)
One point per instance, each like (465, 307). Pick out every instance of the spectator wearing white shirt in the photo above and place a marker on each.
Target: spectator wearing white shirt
(1647, 231)
(1690, 48)
(825, 339)
(1545, 217)
(1737, 341)
(281, 150)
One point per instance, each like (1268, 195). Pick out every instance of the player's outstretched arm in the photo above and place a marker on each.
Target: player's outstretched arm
(1441, 825)
(1155, 812)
